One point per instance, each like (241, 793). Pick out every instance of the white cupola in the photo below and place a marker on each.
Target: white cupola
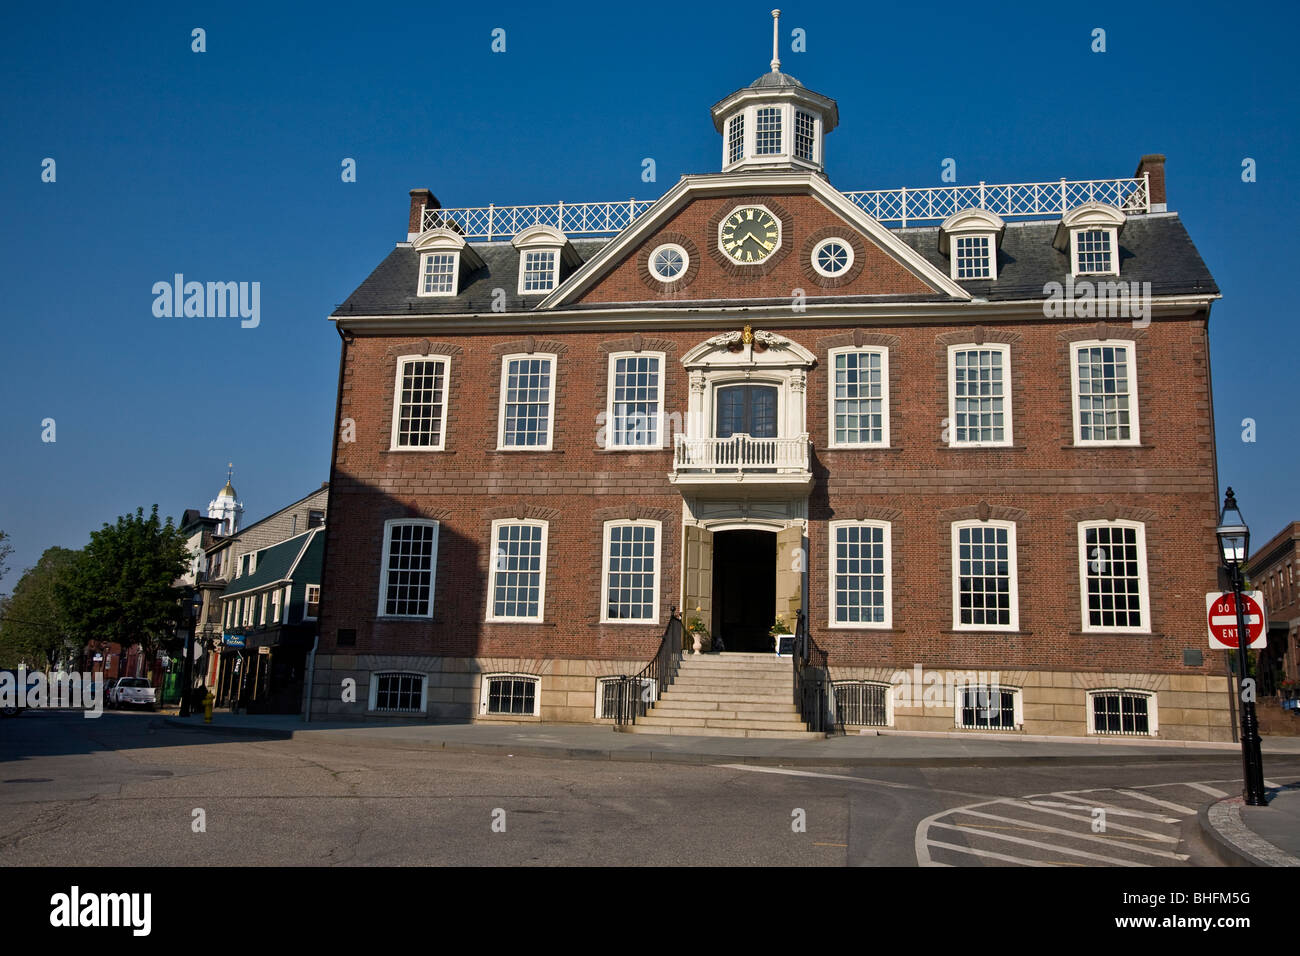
(775, 122)
(226, 508)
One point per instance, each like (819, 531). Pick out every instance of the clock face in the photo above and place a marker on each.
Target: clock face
(749, 235)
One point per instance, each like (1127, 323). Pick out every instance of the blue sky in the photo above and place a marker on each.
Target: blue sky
(224, 166)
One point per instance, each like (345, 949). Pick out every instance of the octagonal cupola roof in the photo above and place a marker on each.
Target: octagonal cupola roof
(774, 123)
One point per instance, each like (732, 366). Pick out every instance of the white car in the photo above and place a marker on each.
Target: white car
(133, 691)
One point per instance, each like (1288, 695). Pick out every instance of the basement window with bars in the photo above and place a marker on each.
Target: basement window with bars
(398, 692)
(513, 694)
(607, 696)
(985, 707)
(1121, 713)
(861, 703)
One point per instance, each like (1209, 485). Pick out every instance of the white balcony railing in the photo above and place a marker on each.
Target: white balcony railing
(894, 207)
(740, 456)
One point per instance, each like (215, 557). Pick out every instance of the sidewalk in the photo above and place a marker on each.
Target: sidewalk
(1256, 836)
(601, 742)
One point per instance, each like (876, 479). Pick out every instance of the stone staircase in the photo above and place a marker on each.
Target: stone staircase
(728, 695)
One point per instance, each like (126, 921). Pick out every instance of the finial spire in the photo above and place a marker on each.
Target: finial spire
(776, 61)
(230, 470)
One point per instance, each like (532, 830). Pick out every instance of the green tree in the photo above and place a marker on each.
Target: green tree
(35, 628)
(6, 549)
(121, 586)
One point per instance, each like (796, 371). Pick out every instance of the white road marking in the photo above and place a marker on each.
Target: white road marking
(1206, 789)
(1176, 807)
(1108, 807)
(1095, 838)
(1110, 824)
(826, 776)
(985, 853)
(1046, 846)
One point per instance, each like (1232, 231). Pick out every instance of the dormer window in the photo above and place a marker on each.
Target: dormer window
(542, 249)
(442, 254)
(1089, 234)
(970, 240)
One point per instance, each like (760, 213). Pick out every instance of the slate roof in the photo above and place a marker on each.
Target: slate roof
(274, 563)
(1153, 248)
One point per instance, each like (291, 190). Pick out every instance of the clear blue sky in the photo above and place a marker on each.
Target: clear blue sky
(225, 166)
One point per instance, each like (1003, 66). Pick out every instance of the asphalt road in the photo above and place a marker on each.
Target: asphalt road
(125, 789)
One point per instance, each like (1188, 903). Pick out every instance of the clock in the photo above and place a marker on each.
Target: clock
(749, 234)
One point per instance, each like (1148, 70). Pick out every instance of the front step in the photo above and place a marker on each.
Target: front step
(641, 728)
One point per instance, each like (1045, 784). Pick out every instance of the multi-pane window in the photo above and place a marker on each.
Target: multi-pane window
(410, 557)
(832, 257)
(984, 576)
(1093, 252)
(736, 138)
(399, 692)
(973, 257)
(1120, 712)
(636, 395)
(804, 126)
(275, 606)
(979, 403)
(419, 406)
(860, 573)
(313, 601)
(631, 571)
(1104, 396)
(438, 276)
(987, 707)
(859, 412)
(509, 695)
(1112, 562)
(517, 590)
(538, 273)
(526, 401)
(767, 131)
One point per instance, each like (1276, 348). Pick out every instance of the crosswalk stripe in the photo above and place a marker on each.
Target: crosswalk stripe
(1273, 784)
(1149, 834)
(984, 853)
(1110, 808)
(1095, 838)
(1047, 846)
(1176, 807)
(1205, 788)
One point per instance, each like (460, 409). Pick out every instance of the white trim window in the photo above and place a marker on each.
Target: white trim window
(988, 707)
(1094, 251)
(984, 596)
(420, 403)
(399, 692)
(832, 257)
(859, 412)
(634, 413)
(1125, 713)
(275, 606)
(1090, 235)
(1103, 377)
(630, 579)
(767, 131)
(527, 400)
(517, 584)
(1113, 576)
(539, 271)
(805, 135)
(438, 273)
(979, 395)
(409, 561)
(736, 139)
(972, 257)
(311, 602)
(669, 262)
(264, 600)
(860, 578)
(510, 694)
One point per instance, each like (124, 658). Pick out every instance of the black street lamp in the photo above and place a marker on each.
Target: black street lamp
(196, 606)
(1234, 548)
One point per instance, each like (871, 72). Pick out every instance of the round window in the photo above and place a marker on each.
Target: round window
(832, 257)
(668, 263)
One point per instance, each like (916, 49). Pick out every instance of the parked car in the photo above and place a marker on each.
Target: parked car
(133, 691)
(12, 708)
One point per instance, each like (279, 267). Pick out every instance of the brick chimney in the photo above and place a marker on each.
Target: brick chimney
(420, 198)
(1153, 165)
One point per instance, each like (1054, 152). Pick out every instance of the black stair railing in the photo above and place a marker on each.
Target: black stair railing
(812, 684)
(637, 692)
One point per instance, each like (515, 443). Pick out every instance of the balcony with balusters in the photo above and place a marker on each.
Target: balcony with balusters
(726, 464)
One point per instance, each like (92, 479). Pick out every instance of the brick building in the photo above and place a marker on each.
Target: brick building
(1272, 571)
(964, 429)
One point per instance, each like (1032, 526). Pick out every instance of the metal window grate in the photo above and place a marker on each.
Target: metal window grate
(1121, 714)
(512, 695)
(609, 688)
(399, 692)
(988, 707)
(861, 704)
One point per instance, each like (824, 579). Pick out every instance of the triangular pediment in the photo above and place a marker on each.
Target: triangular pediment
(784, 220)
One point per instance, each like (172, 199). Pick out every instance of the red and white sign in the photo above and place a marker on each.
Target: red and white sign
(1221, 616)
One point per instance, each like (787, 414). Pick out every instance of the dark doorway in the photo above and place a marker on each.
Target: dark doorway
(744, 589)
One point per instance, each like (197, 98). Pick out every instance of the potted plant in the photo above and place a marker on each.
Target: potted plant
(695, 627)
(777, 630)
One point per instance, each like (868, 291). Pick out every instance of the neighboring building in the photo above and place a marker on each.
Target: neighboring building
(1272, 571)
(269, 613)
(226, 555)
(758, 394)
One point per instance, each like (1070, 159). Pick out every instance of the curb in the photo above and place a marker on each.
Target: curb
(1235, 843)
(704, 759)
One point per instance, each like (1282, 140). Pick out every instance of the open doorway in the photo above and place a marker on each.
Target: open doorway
(744, 589)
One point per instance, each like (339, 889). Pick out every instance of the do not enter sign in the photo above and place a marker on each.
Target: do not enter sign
(1221, 616)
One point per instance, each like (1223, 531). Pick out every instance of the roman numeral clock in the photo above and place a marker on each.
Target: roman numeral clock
(749, 235)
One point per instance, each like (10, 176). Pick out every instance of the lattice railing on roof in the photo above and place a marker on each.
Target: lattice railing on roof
(892, 207)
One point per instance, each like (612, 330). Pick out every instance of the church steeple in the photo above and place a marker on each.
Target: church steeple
(775, 122)
(225, 507)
